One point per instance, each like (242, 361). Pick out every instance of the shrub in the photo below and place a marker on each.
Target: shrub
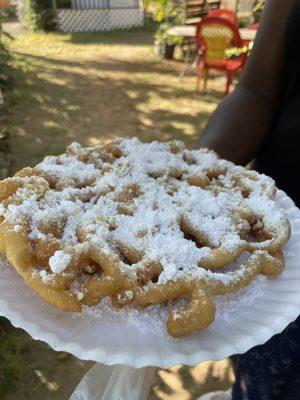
(4, 57)
(11, 12)
(165, 12)
(63, 3)
(4, 53)
(40, 15)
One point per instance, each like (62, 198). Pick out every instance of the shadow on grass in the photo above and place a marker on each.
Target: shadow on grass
(110, 64)
(23, 361)
(171, 383)
(135, 36)
(210, 383)
(58, 101)
(10, 371)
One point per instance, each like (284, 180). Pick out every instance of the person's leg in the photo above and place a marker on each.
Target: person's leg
(291, 391)
(263, 373)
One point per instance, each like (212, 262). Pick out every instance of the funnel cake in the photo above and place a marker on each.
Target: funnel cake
(141, 223)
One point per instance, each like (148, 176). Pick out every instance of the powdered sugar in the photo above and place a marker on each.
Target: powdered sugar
(59, 262)
(80, 296)
(69, 168)
(46, 277)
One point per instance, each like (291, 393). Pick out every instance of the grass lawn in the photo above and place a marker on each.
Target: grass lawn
(91, 88)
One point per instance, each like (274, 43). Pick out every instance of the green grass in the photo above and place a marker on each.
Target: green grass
(10, 369)
(94, 87)
(31, 370)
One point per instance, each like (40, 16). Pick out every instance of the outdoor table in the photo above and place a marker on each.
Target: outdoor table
(190, 31)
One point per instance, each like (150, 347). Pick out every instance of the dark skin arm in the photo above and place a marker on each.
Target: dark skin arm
(239, 125)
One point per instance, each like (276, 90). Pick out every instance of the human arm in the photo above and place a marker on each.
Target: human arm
(240, 123)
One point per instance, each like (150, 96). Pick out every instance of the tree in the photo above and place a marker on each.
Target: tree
(4, 53)
(41, 15)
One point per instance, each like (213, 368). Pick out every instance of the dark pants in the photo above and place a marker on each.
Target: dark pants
(271, 371)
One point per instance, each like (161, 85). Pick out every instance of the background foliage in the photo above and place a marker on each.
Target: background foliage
(40, 15)
(4, 53)
(166, 13)
(163, 10)
(63, 3)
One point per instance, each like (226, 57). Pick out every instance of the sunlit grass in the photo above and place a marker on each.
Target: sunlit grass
(96, 86)
(10, 369)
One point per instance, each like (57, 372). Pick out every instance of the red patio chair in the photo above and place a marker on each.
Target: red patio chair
(229, 15)
(214, 36)
(254, 27)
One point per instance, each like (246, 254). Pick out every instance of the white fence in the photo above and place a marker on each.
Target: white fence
(96, 15)
(103, 4)
(99, 19)
(89, 4)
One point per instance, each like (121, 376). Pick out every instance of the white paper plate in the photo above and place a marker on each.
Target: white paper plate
(138, 338)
